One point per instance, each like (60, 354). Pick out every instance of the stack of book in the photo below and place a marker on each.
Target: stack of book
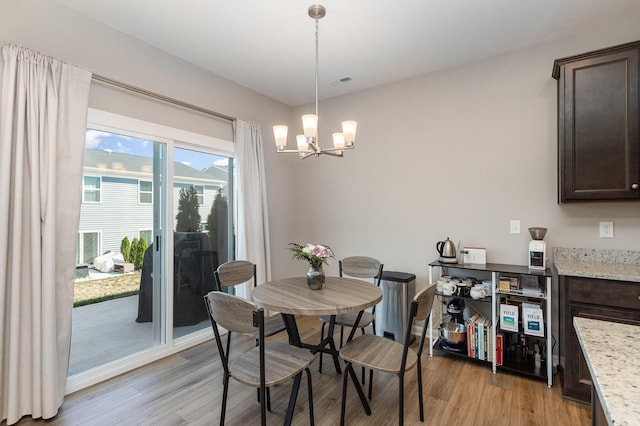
(480, 338)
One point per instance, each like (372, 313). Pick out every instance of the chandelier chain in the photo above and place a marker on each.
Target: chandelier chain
(317, 67)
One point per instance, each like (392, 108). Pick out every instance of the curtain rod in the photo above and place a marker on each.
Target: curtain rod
(159, 97)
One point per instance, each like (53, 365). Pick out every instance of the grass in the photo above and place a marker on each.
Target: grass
(104, 298)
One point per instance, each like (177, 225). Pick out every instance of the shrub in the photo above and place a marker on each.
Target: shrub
(134, 249)
(125, 249)
(138, 247)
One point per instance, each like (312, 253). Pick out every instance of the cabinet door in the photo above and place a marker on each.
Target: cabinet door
(598, 128)
(577, 380)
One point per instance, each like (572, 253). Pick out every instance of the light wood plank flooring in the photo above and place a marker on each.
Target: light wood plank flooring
(187, 388)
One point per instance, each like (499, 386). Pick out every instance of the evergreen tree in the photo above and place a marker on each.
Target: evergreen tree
(188, 217)
(138, 247)
(125, 249)
(217, 223)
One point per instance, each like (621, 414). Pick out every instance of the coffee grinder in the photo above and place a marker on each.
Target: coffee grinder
(537, 249)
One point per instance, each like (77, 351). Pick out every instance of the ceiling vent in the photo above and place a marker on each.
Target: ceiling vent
(340, 81)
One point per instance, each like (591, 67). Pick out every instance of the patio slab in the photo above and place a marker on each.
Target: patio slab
(106, 331)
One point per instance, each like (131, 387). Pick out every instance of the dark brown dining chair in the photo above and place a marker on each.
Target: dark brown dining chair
(388, 356)
(357, 267)
(266, 365)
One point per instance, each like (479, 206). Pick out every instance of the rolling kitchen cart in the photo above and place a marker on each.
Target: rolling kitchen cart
(516, 291)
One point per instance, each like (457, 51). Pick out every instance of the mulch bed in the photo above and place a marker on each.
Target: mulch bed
(105, 287)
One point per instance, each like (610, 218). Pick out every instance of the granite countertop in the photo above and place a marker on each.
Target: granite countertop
(611, 351)
(622, 265)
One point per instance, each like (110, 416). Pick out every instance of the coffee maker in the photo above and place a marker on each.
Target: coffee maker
(537, 248)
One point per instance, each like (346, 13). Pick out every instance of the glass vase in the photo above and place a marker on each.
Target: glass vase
(315, 277)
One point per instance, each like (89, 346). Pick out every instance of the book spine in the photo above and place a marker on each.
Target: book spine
(486, 343)
(491, 351)
(480, 341)
(499, 349)
(475, 340)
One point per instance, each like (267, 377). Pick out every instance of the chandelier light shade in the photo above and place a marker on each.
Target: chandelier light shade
(307, 143)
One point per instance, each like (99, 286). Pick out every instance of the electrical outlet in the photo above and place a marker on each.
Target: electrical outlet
(515, 226)
(606, 229)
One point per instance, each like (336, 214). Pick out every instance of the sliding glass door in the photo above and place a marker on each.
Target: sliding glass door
(156, 220)
(118, 299)
(201, 238)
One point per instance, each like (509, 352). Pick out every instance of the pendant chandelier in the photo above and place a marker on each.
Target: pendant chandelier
(308, 142)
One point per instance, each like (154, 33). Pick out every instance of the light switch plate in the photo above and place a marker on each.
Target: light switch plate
(514, 226)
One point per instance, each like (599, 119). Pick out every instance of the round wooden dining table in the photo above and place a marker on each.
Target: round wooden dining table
(292, 296)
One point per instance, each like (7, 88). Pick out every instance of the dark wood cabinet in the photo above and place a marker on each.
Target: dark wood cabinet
(598, 144)
(616, 301)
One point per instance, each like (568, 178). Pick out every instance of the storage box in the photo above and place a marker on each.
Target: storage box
(474, 255)
(505, 284)
(514, 284)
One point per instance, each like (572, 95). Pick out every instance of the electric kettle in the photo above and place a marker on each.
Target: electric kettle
(447, 251)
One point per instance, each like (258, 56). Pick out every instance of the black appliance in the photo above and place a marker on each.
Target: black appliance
(455, 309)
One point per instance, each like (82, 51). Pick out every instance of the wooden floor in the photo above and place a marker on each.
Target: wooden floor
(186, 389)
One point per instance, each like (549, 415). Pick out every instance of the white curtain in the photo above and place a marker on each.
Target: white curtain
(42, 127)
(253, 219)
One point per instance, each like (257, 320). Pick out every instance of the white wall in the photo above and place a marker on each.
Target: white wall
(454, 154)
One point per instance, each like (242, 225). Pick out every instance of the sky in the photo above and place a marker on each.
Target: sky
(112, 142)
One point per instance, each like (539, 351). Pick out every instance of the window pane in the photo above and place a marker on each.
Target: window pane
(92, 182)
(202, 225)
(146, 197)
(145, 189)
(91, 189)
(116, 168)
(146, 235)
(90, 241)
(200, 191)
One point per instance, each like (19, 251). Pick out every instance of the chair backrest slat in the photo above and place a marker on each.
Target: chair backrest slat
(235, 272)
(425, 302)
(230, 312)
(422, 304)
(419, 310)
(360, 267)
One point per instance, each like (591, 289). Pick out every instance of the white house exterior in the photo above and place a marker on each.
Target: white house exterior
(117, 199)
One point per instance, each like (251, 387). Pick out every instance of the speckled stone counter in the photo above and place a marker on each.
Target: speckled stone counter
(611, 351)
(622, 265)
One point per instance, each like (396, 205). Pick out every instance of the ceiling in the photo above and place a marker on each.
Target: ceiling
(268, 46)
